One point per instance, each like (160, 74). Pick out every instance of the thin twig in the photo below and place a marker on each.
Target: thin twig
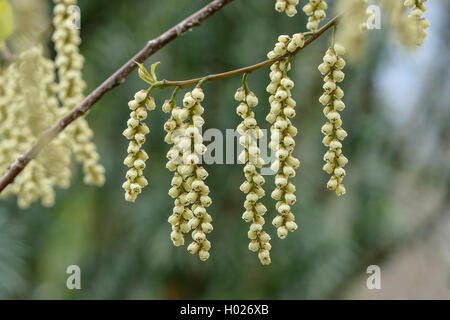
(254, 67)
(113, 81)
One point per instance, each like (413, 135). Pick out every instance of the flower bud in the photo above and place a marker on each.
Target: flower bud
(198, 94)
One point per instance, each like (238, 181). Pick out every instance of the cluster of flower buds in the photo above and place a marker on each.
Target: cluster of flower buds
(188, 183)
(181, 213)
(288, 6)
(24, 92)
(135, 132)
(286, 45)
(252, 187)
(282, 109)
(331, 99)
(197, 190)
(315, 10)
(176, 128)
(418, 23)
(70, 62)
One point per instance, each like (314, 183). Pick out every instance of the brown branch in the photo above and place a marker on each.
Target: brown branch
(113, 81)
(249, 69)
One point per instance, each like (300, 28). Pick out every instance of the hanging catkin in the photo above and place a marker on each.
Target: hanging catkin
(331, 68)
(252, 186)
(69, 62)
(283, 132)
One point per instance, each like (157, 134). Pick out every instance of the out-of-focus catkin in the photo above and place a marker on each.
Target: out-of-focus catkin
(287, 6)
(282, 109)
(409, 27)
(31, 109)
(69, 62)
(135, 132)
(31, 19)
(315, 10)
(331, 99)
(252, 187)
(417, 23)
(353, 26)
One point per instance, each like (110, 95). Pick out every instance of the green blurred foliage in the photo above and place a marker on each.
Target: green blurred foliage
(124, 250)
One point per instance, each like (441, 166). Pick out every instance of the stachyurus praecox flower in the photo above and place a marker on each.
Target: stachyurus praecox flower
(315, 10)
(252, 187)
(70, 62)
(188, 183)
(331, 68)
(282, 109)
(135, 132)
(287, 6)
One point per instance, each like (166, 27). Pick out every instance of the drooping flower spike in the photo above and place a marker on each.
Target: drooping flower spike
(252, 186)
(353, 29)
(70, 62)
(28, 106)
(189, 189)
(331, 99)
(135, 132)
(181, 213)
(198, 191)
(282, 109)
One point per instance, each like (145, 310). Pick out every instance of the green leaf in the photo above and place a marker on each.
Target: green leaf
(145, 75)
(153, 68)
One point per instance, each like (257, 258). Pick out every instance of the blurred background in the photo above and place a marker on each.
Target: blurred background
(395, 213)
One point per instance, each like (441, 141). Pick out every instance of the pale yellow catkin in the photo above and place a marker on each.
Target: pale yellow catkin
(135, 132)
(397, 18)
(194, 175)
(69, 62)
(287, 6)
(409, 27)
(181, 213)
(252, 187)
(37, 76)
(315, 10)
(282, 109)
(57, 155)
(31, 20)
(417, 23)
(331, 99)
(30, 110)
(353, 27)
